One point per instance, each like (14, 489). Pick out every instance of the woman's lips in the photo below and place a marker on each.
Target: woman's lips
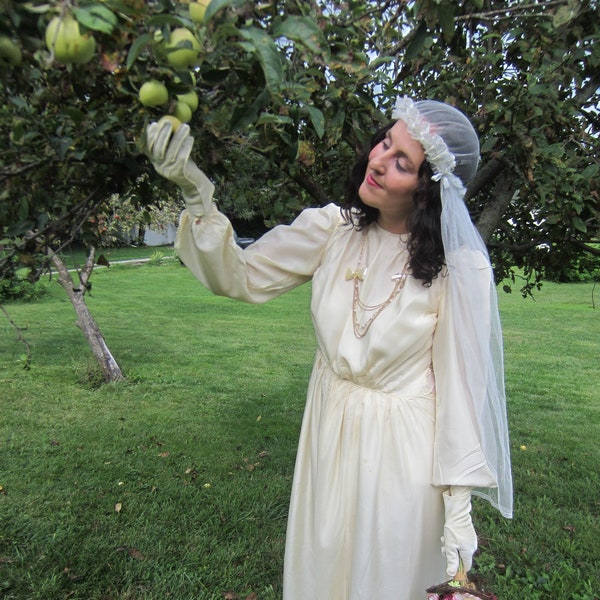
(371, 181)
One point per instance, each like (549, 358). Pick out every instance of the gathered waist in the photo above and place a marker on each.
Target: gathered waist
(346, 389)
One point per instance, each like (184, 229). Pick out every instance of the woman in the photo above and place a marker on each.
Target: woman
(405, 415)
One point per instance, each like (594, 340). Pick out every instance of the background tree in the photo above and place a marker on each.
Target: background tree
(289, 91)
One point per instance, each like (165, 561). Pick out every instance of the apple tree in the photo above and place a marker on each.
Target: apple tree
(80, 80)
(280, 95)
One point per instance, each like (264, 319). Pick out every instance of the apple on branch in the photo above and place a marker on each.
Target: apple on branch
(10, 53)
(153, 93)
(198, 9)
(190, 98)
(175, 122)
(65, 41)
(183, 112)
(182, 48)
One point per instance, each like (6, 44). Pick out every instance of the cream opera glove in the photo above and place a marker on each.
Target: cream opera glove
(170, 156)
(460, 540)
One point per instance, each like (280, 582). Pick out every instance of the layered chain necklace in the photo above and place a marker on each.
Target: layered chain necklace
(357, 275)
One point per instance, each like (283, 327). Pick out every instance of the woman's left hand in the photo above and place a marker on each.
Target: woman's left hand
(460, 539)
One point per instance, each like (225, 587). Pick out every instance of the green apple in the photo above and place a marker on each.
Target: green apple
(190, 98)
(197, 10)
(183, 112)
(10, 53)
(182, 49)
(190, 74)
(64, 39)
(153, 93)
(175, 122)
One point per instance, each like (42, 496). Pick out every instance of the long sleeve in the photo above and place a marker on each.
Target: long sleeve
(282, 259)
(459, 457)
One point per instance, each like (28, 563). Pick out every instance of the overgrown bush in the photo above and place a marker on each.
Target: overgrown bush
(21, 289)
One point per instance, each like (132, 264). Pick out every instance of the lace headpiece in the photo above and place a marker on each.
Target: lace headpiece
(442, 161)
(475, 416)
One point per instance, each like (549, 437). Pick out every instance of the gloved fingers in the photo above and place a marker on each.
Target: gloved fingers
(452, 560)
(466, 556)
(179, 150)
(151, 137)
(159, 135)
(181, 140)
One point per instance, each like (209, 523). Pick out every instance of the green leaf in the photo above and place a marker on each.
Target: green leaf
(416, 44)
(244, 115)
(137, 47)
(590, 171)
(564, 15)
(158, 20)
(96, 17)
(445, 13)
(488, 144)
(317, 119)
(579, 224)
(75, 113)
(37, 9)
(302, 30)
(23, 210)
(216, 5)
(267, 118)
(268, 56)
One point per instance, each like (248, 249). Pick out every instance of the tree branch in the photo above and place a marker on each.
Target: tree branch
(21, 338)
(509, 11)
(484, 176)
(491, 215)
(308, 185)
(12, 171)
(86, 272)
(593, 250)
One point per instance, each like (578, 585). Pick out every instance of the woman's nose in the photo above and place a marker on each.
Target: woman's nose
(377, 161)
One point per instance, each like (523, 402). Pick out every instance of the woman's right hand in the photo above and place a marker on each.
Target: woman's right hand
(170, 156)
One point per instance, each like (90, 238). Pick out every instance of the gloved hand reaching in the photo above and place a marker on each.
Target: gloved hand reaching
(170, 156)
(460, 540)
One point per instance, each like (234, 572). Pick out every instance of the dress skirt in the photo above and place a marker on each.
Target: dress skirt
(365, 521)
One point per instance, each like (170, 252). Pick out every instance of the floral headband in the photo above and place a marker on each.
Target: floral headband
(442, 161)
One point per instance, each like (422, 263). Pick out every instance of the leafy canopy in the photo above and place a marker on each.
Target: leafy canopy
(289, 91)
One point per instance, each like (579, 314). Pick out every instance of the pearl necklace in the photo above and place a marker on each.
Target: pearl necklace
(357, 275)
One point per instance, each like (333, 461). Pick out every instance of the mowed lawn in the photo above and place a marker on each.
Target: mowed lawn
(175, 483)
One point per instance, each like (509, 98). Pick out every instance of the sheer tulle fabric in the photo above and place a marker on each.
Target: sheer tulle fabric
(452, 148)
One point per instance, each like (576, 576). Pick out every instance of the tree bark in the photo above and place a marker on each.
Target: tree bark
(85, 321)
(492, 213)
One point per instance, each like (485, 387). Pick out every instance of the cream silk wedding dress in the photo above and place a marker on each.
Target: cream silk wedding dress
(385, 429)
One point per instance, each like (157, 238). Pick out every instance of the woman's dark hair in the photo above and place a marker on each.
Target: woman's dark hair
(425, 245)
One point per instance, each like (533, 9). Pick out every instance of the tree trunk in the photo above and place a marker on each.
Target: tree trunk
(492, 213)
(110, 369)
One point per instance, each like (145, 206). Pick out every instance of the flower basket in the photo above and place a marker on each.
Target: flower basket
(459, 588)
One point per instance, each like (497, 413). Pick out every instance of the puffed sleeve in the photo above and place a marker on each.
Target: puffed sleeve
(460, 383)
(280, 260)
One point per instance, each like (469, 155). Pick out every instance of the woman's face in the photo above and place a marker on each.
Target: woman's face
(392, 176)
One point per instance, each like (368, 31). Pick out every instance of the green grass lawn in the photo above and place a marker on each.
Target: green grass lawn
(76, 256)
(175, 484)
